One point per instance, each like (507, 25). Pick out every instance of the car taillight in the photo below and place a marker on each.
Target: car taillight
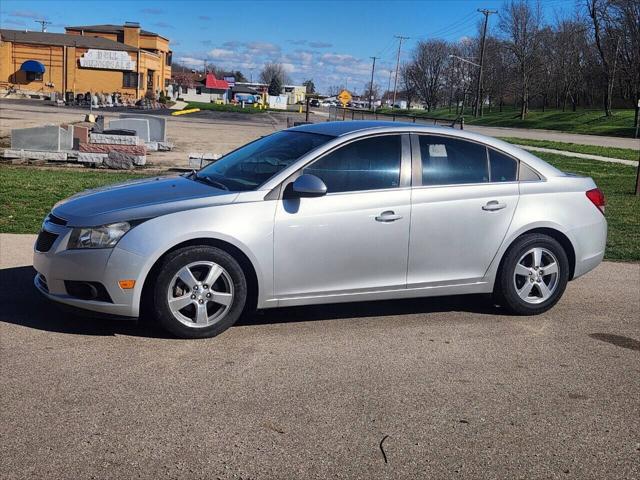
(597, 198)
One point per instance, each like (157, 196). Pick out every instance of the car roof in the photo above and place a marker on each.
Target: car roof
(337, 129)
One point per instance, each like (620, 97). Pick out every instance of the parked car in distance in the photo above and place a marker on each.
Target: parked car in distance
(324, 213)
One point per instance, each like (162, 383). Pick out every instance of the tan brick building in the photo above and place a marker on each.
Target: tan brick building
(91, 58)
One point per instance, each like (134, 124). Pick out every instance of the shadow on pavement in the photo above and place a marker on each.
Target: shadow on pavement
(23, 305)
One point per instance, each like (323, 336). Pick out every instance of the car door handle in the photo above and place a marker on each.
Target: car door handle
(388, 216)
(494, 205)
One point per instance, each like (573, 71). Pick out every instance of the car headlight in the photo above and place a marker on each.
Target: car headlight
(105, 236)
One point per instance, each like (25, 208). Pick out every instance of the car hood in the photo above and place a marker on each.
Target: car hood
(139, 199)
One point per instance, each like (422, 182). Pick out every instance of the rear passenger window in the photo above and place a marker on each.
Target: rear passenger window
(503, 168)
(369, 164)
(450, 161)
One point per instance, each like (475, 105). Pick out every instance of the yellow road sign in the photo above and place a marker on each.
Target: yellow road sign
(344, 97)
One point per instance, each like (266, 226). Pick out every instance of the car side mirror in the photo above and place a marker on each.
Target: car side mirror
(309, 186)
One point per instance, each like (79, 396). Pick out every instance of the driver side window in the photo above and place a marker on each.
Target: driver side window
(369, 164)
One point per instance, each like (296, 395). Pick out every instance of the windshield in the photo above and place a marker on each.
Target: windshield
(250, 166)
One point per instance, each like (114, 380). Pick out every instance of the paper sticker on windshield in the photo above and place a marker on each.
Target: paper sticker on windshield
(437, 150)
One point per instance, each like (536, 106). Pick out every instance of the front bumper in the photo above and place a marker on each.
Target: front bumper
(106, 266)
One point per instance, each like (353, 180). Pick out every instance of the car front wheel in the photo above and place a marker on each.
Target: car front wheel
(199, 292)
(533, 275)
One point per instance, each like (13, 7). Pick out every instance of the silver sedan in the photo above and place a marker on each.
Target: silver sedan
(332, 212)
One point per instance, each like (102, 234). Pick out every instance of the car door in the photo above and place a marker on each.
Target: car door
(464, 196)
(354, 238)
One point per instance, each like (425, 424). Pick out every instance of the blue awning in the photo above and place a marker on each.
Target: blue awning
(32, 66)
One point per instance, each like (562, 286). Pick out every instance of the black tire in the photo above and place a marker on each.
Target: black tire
(169, 267)
(505, 291)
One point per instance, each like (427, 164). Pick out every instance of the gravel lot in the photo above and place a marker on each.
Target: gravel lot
(455, 389)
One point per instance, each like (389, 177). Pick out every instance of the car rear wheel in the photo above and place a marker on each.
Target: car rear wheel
(533, 275)
(199, 292)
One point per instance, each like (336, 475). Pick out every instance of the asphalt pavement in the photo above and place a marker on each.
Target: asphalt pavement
(417, 389)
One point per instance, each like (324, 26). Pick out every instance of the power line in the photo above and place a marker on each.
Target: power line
(43, 23)
(395, 82)
(486, 13)
(373, 68)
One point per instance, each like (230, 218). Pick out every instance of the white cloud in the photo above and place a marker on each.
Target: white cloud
(221, 54)
(337, 58)
(27, 14)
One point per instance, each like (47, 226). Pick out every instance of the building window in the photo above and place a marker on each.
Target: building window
(168, 58)
(34, 77)
(129, 79)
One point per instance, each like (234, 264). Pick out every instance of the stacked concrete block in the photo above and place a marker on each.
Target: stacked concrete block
(102, 148)
(94, 158)
(114, 139)
(50, 138)
(34, 155)
(139, 125)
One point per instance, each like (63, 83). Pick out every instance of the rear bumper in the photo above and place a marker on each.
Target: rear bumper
(589, 242)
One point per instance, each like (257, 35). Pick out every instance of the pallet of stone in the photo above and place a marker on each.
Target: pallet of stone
(115, 139)
(106, 148)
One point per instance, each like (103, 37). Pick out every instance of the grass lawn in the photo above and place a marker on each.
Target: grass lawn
(623, 207)
(592, 122)
(223, 108)
(611, 152)
(28, 193)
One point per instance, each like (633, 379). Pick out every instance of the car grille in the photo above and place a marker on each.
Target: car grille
(45, 241)
(57, 220)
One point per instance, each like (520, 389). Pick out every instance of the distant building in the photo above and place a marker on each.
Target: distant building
(210, 89)
(96, 58)
(294, 93)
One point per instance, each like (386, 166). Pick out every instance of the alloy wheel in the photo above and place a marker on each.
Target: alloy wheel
(200, 294)
(536, 275)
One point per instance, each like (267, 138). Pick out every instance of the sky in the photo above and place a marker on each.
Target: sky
(330, 42)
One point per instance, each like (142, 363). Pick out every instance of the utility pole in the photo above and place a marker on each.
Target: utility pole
(389, 84)
(373, 68)
(44, 24)
(395, 82)
(478, 107)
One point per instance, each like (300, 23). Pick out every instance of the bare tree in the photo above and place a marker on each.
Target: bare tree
(407, 85)
(625, 15)
(497, 73)
(607, 41)
(274, 70)
(426, 70)
(520, 23)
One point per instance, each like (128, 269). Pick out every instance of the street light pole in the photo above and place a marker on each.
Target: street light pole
(478, 107)
(373, 68)
(395, 82)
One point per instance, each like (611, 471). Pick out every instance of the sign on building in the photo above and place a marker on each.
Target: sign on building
(230, 80)
(107, 60)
